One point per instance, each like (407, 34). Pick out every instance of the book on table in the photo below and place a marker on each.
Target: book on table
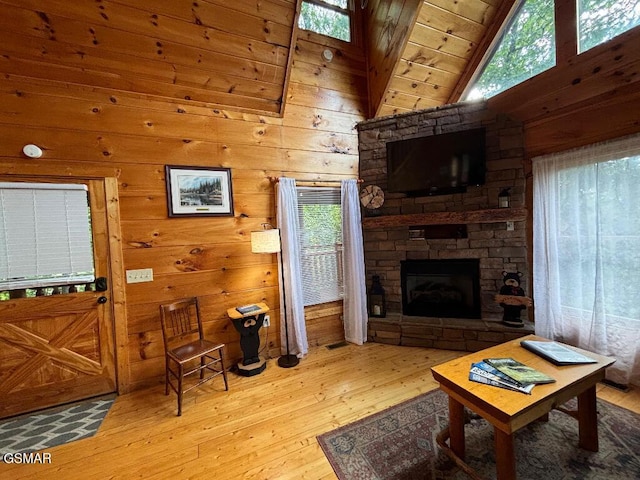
(524, 374)
(247, 309)
(556, 353)
(482, 372)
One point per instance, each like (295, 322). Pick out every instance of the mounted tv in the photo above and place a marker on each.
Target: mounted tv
(437, 164)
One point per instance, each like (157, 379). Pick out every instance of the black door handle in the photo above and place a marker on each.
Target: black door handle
(102, 299)
(101, 284)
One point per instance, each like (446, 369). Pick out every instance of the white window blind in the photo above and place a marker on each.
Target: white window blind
(320, 239)
(45, 235)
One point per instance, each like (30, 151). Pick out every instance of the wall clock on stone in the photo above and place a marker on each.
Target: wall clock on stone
(371, 198)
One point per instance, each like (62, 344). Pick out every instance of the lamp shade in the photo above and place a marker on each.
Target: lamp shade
(265, 241)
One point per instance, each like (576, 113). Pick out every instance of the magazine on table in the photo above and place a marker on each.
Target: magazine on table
(556, 353)
(495, 372)
(482, 372)
(519, 372)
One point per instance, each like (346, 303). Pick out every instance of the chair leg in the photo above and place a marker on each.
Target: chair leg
(166, 375)
(180, 376)
(202, 364)
(224, 371)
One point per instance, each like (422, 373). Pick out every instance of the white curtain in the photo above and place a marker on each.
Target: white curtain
(586, 251)
(355, 296)
(291, 290)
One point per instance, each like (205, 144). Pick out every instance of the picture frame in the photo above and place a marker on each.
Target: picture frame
(198, 191)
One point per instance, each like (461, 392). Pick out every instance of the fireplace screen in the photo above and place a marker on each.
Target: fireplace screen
(441, 288)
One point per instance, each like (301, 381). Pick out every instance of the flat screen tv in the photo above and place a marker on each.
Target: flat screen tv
(437, 164)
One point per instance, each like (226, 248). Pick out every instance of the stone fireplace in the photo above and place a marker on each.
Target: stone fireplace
(460, 228)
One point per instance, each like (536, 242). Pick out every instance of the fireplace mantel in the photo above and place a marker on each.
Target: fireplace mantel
(490, 215)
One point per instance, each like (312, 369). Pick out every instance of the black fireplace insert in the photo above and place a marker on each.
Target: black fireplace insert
(441, 288)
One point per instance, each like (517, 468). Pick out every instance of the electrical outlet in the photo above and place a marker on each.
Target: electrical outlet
(140, 275)
(266, 322)
(510, 226)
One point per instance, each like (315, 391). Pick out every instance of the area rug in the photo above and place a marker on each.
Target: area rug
(399, 443)
(55, 426)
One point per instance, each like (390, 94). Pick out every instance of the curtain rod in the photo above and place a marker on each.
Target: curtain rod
(315, 183)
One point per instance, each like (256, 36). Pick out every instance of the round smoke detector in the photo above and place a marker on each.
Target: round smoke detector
(32, 151)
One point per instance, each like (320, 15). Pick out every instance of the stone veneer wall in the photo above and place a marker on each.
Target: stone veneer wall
(497, 248)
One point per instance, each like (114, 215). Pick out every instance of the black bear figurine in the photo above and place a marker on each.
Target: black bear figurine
(512, 309)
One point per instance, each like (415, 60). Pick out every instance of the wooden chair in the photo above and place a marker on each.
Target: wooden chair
(186, 350)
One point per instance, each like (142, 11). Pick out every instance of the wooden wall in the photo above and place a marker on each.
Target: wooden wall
(208, 51)
(89, 126)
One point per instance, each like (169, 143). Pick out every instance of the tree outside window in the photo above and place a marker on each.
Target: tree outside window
(527, 47)
(326, 17)
(601, 20)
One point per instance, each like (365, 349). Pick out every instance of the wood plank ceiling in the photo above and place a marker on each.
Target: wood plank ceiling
(445, 45)
(237, 55)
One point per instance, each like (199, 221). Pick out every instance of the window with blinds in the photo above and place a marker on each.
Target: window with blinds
(45, 235)
(320, 239)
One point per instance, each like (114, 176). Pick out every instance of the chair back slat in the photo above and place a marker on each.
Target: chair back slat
(180, 318)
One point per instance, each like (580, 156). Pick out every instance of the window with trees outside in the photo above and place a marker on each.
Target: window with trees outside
(601, 20)
(527, 46)
(320, 240)
(326, 17)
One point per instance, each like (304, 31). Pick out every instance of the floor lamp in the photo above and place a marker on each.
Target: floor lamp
(270, 241)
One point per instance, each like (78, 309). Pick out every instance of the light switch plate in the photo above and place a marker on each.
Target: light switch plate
(140, 275)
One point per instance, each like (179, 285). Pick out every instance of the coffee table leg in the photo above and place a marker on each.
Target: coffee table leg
(588, 420)
(505, 455)
(456, 427)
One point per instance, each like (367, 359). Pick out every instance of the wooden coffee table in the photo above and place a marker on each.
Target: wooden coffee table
(509, 411)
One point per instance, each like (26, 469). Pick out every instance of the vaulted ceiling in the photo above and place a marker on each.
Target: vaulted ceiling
(237, 55)
(445, 42)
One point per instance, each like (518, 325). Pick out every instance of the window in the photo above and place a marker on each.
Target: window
(586, 233)
(320, 239)
(45, 235)
(526, 48)
(601, 20)
(327, 17)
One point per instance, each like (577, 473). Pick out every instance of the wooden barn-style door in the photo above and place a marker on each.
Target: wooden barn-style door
(60, 348)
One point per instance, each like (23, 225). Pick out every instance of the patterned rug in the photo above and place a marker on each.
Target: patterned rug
(47, 428)
(400, 444)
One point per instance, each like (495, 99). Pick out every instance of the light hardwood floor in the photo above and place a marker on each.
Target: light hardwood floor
(265, 427)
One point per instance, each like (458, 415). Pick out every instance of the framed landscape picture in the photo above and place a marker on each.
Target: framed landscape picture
(198, 191)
